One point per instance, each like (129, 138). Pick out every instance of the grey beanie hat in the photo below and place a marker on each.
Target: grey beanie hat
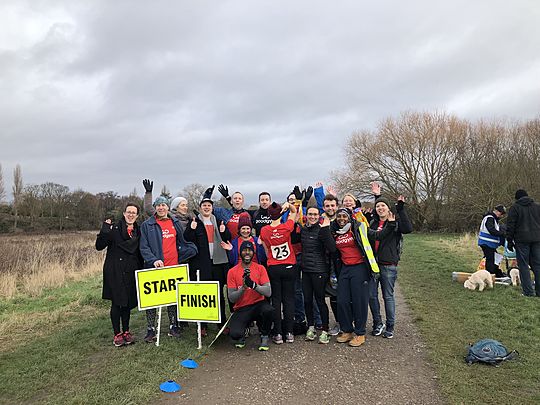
(176, 202)
(383, 200)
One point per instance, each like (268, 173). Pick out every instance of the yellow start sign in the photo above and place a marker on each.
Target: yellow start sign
(198, 301)
(157, 287)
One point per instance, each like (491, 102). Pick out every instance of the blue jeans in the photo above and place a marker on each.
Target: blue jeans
(353, 298)
(387, 279)
(529, 254)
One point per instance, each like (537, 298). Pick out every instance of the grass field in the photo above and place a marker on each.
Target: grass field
(450, 317)
(56, 342)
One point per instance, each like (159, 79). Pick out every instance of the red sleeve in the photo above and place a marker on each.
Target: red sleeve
(263, 278)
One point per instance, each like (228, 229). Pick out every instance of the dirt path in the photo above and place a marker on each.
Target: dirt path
(382, 371)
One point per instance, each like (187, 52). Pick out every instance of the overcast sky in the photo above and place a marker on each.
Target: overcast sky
(257, 95)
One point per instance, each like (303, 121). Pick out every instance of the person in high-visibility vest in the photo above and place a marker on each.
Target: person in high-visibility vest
(491, 236)
(357, 264)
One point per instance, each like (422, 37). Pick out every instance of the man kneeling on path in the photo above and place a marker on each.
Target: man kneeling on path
(248, 285)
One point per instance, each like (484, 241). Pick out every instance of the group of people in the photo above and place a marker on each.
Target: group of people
(278, 262)
(521, 233)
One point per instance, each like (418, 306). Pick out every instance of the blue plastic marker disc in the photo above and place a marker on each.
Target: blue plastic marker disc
(189, 363)
(169, 386)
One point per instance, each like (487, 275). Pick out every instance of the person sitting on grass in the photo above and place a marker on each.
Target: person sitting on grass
(123, 258)
(248, 285)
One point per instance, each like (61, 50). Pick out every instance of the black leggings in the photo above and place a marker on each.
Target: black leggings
(282, 278)
(314, 284)
(118, 313)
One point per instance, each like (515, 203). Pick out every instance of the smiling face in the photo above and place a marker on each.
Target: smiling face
(342, 219)
(330, 207)
(246, 255)
(382, 210)
(312, 215)
(206, 208)
(130, 214)
(182, 208)
(162, 210)
(291, 199)
(348, 202)
(245, 232)
(264, 201)
(237, 200)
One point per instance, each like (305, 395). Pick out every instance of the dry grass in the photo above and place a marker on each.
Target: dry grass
(31, 263)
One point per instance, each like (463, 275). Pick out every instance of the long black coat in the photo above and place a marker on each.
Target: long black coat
(123, 258)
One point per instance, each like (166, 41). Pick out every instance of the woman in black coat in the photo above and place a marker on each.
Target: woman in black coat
(123, 258)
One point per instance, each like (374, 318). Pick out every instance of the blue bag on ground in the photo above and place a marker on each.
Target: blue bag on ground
(489, 351)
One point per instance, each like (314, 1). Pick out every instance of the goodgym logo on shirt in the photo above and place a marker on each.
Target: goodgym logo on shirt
(344, 239)
(166, 234)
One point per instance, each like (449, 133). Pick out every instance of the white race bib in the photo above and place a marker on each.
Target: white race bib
(280, 252)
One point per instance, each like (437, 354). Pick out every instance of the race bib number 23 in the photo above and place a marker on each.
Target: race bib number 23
(281, 252)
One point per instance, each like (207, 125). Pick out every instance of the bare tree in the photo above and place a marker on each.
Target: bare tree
(31, 202)
(17, 192)
(2, 188)
(193, 194)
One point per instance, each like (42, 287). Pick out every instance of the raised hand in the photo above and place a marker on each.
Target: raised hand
(223, 190)
(375, 188)
(108, 221)
(209, 191)
(193, 223)
(221, 227)
(309, 193)
(331, 190)
(297, 193)
(226, 245)
(318, 184)
(401, 198)
(148, 185)
(391, 216)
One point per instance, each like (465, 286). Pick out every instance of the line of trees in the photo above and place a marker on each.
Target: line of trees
(451, 169)
(51, 206)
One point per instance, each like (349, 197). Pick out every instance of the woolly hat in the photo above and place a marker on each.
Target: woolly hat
(344, 210)
(176, 202)
(247, 245)
(501, 208)
(162, 200)
(383, 200)
(244, 220)
(274, 210)
(521, 193)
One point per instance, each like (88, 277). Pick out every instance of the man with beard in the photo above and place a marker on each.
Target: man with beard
(248, 286)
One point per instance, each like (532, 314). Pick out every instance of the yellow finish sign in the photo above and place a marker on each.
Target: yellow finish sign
(157, 287)
(198, 301)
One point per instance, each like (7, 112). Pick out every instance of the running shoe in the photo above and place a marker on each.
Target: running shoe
(277, 339)
(311, 334)
(119, 340)
(378, 330)
(324, 338)
(128, 337)
(389, 334)
(239, 344)
(264, 346)
(289, 338)
(174, 331)
(150, 335)
(335, 330)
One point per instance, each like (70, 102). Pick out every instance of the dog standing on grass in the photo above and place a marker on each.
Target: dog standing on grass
(514, 275)
(479, 279)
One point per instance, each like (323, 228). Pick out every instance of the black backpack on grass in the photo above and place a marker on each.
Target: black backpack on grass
(489, 351)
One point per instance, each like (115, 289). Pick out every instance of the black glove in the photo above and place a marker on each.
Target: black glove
(249, 282)
(209, 191)
(358, 203)
(309, 193)
(148, 185)
(297, 193)
(399, 205)
(510, 245)
(224, 190)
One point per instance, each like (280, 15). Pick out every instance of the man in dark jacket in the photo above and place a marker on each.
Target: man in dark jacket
(387, 252)
(523, 233)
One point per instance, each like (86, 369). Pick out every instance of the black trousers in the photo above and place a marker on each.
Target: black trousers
(261, 312)
(282, 278)
(118, 313)
(489, 253)
(314, 285)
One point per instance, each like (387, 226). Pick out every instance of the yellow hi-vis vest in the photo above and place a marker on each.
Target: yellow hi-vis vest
(363, 228)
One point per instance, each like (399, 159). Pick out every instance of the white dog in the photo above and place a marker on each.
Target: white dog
(479, 279)
(514, 275)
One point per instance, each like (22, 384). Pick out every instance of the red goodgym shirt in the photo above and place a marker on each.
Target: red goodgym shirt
(278, 242)
(350, 252)
(168, 234)
(235, 279)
